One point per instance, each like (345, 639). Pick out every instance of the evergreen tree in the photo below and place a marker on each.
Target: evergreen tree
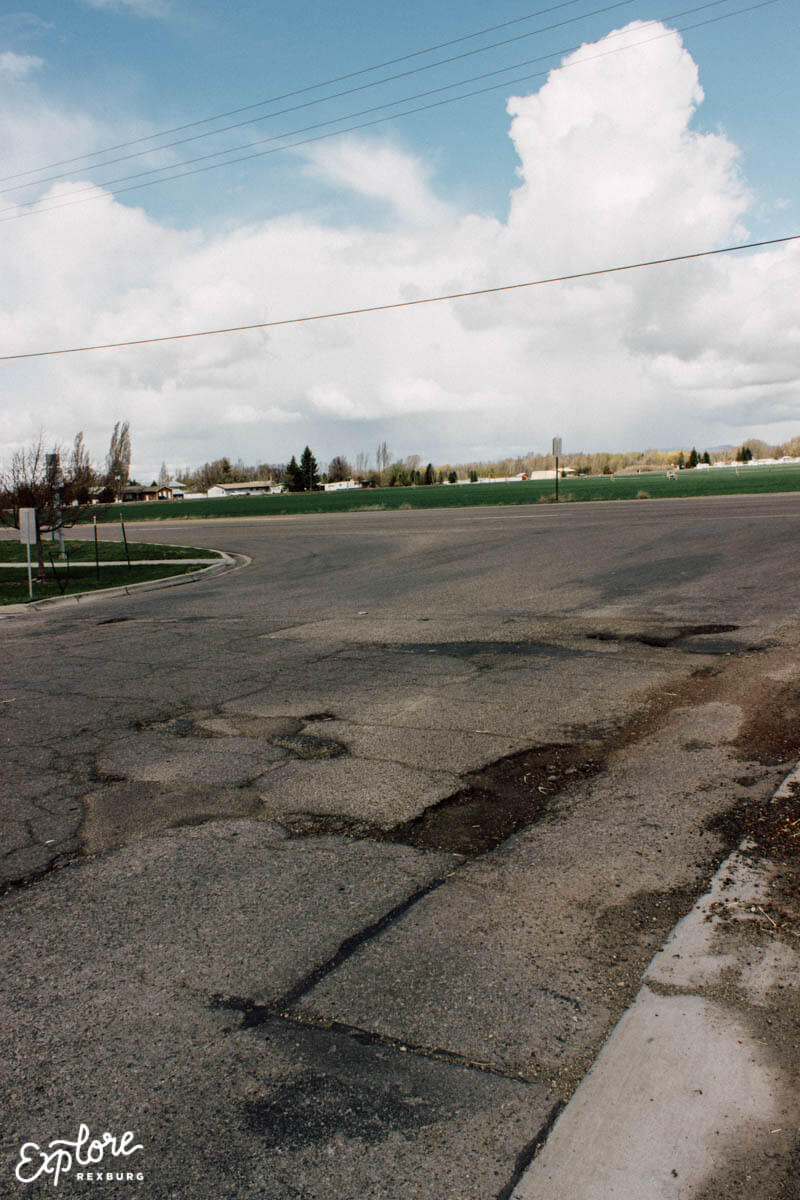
(308, 471)
(429, 474)
(693, 459)
(293, 479)
(706, 458)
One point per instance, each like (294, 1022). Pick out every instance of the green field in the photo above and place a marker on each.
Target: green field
(14, 581)
(745, 481)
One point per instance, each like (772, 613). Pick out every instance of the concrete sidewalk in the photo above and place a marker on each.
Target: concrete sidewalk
(695, 1094)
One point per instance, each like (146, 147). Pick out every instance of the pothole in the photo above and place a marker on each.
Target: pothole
(308, 745)
(671, 636)
(512, 793)
(476, 649)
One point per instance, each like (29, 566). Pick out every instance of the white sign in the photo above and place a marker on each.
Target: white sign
(27, 526)
(62, 1156)
(556, 447)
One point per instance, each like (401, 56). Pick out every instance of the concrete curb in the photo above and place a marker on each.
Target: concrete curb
(681, 1083)
(228, 562)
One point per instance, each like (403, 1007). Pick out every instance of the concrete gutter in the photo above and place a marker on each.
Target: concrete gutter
(226, 562)
(686, 1082)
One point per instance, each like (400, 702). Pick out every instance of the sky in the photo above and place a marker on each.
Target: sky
(568, 138)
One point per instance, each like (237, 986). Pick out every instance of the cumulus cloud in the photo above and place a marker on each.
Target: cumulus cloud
(612, 169)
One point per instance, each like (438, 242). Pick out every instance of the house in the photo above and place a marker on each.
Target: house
(252, 487)
(135, 493)
(341, 485)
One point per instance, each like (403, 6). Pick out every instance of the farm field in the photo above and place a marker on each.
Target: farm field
(746, 481)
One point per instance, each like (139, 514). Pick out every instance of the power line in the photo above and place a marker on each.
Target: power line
(77, 197)
(352, 91)
(288, 95)
(375, 308)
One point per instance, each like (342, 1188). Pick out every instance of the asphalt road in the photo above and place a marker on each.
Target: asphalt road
(328, 877)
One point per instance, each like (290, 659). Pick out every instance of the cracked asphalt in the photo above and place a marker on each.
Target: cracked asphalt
(330, 876)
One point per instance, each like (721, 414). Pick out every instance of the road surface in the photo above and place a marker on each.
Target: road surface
(329, 877)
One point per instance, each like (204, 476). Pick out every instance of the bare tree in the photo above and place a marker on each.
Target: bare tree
(382, 456)
(35, 479)
(118, 459)
(362, 464)
(339, 469)
(163, 476)
(80, 470)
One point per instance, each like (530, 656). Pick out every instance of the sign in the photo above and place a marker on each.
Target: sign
(27, 526)
(556, 447)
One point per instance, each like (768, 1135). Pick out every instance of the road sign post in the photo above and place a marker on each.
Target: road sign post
(27, 535)
(556, 456)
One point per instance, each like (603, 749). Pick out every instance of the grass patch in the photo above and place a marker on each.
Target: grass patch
(83, 552)
(14, 583)
(714, 482)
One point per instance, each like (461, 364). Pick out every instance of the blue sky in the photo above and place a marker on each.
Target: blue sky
(80, 75)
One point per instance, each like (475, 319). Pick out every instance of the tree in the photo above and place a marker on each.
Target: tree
(706, 458)
(744, 454)
(681, 463)
(80, 470)
(339, 469)
(35, 479)
(399, 475)
(118, 459)
(693, 459)
(293, 478)
(429, 477)
(382, 456)
(308, 470)
(452, 477)
(163, 476)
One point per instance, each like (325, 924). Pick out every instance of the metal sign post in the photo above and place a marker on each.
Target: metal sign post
(27, 535)
(556, 456)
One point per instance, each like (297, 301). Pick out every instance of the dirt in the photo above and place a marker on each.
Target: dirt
(770, 732)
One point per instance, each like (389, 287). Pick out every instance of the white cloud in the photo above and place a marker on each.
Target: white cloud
(384, 173)
(612, 170)
(15, 67)
(139, 8)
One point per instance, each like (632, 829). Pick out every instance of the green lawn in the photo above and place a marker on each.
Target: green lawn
(83, 551)
(14, 581)
(747, 480)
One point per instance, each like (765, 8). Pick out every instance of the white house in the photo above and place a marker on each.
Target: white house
(341, 485)
(252, 487)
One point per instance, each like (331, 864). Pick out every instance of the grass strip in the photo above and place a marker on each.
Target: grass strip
(83, 552)
(14, 584)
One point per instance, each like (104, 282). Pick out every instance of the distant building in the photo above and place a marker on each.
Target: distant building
(252, 487)
(341, 485)
(136, 494)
